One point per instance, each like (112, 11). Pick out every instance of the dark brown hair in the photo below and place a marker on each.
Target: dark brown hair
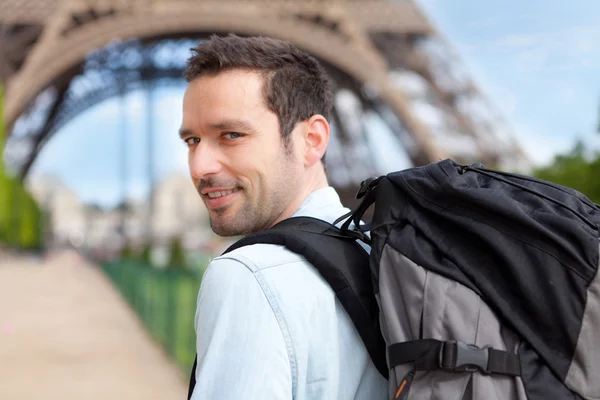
(295, 86)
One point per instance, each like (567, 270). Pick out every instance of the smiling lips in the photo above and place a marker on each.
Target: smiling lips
(220, 198)
(217, 194)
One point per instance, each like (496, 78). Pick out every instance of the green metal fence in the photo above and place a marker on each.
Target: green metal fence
(165, 301)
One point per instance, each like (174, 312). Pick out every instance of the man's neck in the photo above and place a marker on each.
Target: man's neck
(315, 182)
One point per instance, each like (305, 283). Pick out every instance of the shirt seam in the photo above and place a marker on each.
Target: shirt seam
(244, 260)
(287, 338)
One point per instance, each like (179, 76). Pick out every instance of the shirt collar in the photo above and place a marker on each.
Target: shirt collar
(323, 203)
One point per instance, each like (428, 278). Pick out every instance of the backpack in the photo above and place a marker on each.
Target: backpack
(487, 284)
(480, 284)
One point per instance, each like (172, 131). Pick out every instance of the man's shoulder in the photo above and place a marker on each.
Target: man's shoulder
(289, 282)
(261, 256)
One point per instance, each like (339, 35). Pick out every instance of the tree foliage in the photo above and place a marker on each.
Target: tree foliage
(578, 169)
(575, 169)
(177, 255)
(20, 215)
(146, 255)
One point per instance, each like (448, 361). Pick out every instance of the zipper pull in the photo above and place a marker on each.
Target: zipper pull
(404, 388)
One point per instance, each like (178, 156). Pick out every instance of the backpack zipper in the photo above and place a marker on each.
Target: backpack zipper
(404, 387)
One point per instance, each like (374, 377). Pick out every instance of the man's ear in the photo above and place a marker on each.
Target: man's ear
(316, 139)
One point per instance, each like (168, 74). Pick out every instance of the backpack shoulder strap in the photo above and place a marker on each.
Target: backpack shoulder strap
(343, 263)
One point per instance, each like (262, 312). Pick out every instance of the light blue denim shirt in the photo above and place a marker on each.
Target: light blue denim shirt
(269, 327)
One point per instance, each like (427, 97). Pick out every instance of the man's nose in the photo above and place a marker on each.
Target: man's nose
(204, 161)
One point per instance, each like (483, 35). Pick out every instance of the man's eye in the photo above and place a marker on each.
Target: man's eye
(192, 140)
(232, 135)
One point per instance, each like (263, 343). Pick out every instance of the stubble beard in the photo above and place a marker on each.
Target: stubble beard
(251, 217)
(260, 214)
(236, 224)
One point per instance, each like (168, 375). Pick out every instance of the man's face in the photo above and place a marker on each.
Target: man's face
(237, 159)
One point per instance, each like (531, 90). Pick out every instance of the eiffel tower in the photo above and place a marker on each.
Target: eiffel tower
(400, 88)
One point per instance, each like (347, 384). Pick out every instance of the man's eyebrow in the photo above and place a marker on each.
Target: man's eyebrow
(225, 125)
(233, 125)
(183, 133)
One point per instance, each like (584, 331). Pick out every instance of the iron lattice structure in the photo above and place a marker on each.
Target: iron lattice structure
(393, 72)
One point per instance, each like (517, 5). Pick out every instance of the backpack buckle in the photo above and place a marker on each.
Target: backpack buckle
(455, 356)
(366, 186)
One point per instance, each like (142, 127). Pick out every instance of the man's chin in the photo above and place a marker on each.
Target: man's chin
(224, 231)
(225, 227)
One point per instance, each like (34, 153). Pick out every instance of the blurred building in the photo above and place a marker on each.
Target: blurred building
(66, 221)
(179, 212)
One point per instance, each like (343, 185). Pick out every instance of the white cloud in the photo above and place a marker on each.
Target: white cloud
(491, 22)
(565, 95)
(516, 41)
(558, 50)
(584, 39)
(532, 60)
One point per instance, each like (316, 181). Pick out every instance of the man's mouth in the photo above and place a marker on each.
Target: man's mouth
(220, 193)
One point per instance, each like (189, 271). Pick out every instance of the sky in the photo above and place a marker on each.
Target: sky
(537, 61)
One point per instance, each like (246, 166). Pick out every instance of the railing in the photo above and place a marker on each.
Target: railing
(165, 301)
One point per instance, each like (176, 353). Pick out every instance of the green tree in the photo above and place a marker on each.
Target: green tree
(127, 252)
(146, 255)
(20, 215)
(177, 255)
(576, 170)
(5, 189)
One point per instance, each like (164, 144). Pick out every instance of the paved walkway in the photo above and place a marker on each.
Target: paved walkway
(66, 334)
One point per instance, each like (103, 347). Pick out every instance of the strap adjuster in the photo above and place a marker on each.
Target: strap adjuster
(455, 356)
(366, 186)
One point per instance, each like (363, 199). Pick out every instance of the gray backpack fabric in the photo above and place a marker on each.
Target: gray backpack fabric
(486, 282)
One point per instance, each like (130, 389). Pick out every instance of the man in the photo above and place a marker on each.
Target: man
(255, 120)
